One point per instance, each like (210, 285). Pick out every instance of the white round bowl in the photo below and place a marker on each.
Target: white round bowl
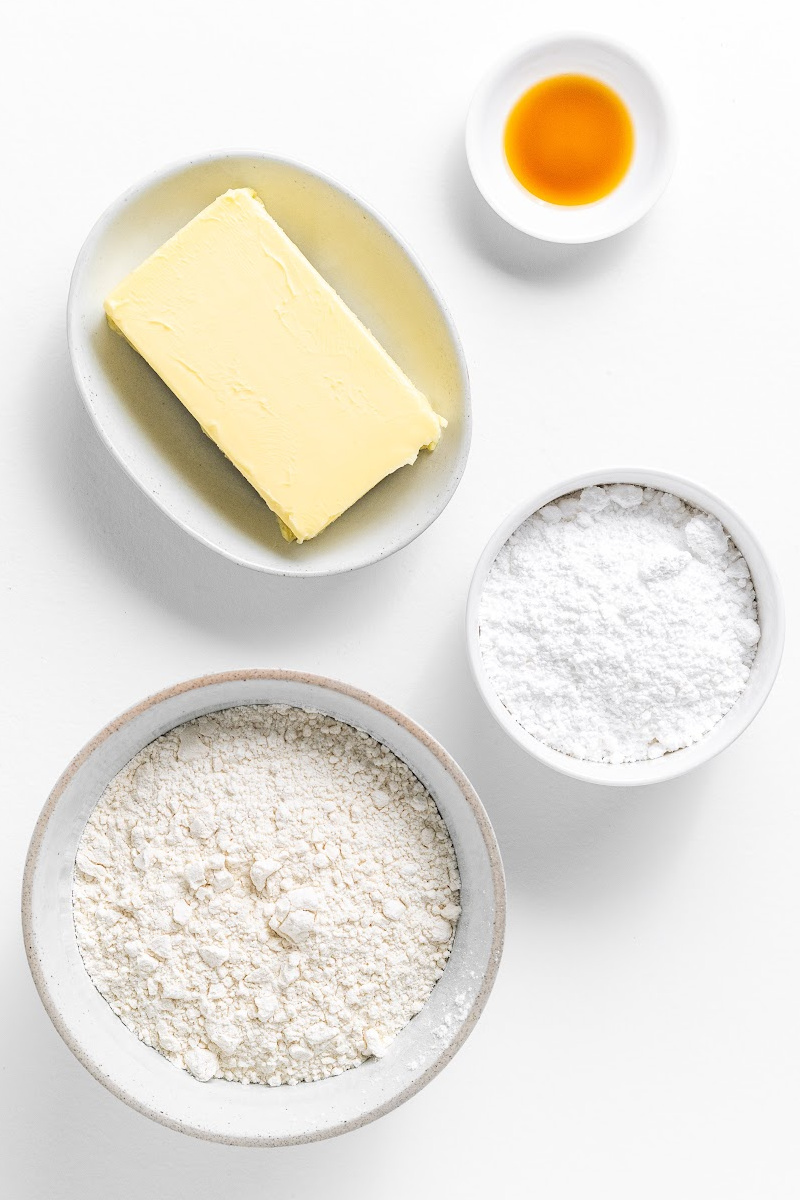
(735, 721)
(654, 146)
(162, 447)
(231, 1112)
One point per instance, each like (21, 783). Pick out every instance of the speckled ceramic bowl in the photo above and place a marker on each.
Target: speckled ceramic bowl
(162, 447)
(220, 1110)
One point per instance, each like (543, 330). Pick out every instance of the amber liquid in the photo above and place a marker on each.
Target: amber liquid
(569, 140)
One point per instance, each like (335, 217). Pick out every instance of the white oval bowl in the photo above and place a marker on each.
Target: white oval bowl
(162, 447)
(654, 146)
(221, 1110)
(735, 721)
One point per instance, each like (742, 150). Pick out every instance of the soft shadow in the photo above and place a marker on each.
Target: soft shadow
(564, 843)
(517, 253)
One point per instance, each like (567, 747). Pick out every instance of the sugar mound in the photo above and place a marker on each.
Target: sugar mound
(618, 624)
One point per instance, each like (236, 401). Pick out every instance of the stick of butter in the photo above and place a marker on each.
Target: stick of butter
(273, 365)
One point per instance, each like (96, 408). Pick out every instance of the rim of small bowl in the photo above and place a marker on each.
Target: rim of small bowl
(733, 723)
(475, 143)
(109, 215)
(465, 1025)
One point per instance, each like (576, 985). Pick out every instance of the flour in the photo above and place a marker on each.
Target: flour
(618, 624)
(266, 895)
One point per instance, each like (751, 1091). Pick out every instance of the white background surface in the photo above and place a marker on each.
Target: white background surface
(642, 1040)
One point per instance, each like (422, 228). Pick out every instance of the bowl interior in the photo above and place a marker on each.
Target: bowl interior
(653, 149)
(762, 674)
(163, 448)
(222, 1110)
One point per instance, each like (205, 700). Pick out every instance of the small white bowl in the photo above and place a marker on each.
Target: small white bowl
(735, 721)
(164, 450)
(653, 154)
(232, 1112)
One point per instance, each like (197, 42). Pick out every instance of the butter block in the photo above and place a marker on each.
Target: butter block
(272, 363)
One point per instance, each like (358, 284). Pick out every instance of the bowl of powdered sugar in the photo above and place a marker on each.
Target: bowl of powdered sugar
(264, 907)
(624, 626)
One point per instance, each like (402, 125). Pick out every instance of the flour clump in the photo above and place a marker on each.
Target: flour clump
(266, 895)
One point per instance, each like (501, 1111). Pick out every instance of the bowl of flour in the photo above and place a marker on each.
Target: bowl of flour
(263, 907)
(624, 626)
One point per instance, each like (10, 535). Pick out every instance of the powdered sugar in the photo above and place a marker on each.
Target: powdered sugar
(265, 894)
(618, 623)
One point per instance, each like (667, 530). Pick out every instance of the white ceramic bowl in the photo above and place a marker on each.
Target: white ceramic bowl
(654, 148)
(735, 721)
(221, 1110)
(164, 450)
